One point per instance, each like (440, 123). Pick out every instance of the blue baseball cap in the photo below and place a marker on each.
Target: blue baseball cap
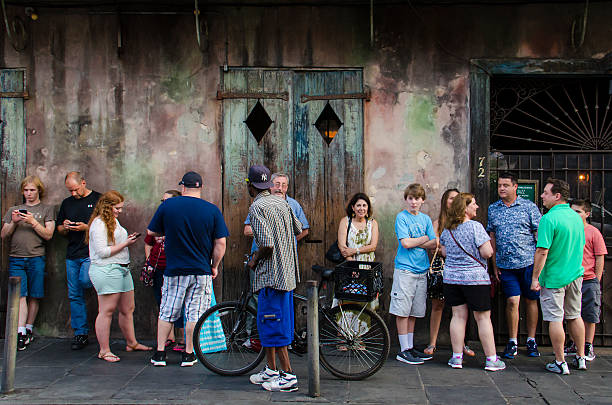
(259, 177)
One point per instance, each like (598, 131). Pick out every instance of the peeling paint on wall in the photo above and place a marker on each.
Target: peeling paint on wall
(138, 122)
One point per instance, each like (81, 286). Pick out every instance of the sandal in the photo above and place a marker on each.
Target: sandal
(108, 356)
(170, 344)
(179, 347)
(468, 352)
(137, 348)
(429, 350)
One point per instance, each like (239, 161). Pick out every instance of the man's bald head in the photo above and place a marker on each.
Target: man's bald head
(76, 185)
(77, 177)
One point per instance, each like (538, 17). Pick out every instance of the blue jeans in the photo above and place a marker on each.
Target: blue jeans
(77, 275)
(32, 273)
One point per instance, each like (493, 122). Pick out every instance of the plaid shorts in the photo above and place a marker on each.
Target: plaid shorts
(193, 291)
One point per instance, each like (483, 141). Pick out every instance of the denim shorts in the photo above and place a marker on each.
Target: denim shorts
(516, 282)
(275, 317)
(591, 300)
(32, 273)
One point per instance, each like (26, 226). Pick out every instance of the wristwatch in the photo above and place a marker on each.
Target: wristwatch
(357, 251)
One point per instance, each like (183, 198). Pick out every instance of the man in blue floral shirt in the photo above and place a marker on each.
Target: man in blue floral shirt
(513, 224)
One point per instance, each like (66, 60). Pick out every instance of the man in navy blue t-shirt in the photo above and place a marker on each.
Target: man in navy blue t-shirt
(195, 244)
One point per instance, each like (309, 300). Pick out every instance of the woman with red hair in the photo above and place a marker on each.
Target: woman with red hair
(110, 273)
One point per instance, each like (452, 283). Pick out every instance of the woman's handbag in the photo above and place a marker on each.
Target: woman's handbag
(147, 274)
(435, 279)
(333, 253)
(211, 337)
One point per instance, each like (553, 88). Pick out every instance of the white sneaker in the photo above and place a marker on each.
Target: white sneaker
(455, 362)
(265, 375)
(287, 382)
(496, 365)
(580, 363)
(555, 367)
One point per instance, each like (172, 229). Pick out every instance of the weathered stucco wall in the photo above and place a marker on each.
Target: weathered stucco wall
(137, 119)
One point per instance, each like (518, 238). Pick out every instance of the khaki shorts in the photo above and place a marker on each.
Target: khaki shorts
(408, 294)
(557, 302)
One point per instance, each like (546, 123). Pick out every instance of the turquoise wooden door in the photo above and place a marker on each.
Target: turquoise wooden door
(12, 153)
(326, 176)
(323, 176)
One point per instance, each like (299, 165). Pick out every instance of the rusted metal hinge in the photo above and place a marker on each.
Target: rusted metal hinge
(363, 96)
(230, 94)
(14, 94)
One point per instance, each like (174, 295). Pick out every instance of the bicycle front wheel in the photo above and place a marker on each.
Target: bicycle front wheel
(226, 339)
(353, 341)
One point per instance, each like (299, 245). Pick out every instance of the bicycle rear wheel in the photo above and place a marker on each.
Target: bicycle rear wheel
(226, 339)
(353, 341)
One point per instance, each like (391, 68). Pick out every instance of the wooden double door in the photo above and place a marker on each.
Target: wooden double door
(324, 174)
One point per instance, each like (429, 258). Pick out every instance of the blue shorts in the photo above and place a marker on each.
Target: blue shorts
(275, 317)
(32, 273)
(518, 282)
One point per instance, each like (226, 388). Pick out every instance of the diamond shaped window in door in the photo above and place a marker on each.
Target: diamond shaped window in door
(258, 121)
(328, 124)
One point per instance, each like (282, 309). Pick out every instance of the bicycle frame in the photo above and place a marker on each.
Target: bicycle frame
(348, 332)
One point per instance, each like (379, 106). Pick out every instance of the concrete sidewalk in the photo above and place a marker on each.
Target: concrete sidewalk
(49, 372)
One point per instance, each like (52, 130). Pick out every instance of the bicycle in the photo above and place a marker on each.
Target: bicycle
(353, 340)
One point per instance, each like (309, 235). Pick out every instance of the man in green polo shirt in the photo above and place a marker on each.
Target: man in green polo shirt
(557, 272)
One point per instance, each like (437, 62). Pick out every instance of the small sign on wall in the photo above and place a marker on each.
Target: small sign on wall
(529, 190)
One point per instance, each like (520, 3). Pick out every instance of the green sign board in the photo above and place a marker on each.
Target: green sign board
(529, 190)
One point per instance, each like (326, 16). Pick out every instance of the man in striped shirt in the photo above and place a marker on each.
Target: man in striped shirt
(275, 262)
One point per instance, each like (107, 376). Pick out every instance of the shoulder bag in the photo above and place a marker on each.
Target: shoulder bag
(333, 253)
(435, 277)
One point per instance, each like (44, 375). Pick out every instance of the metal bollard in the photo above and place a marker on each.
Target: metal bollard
(314, 381)
(10, 338)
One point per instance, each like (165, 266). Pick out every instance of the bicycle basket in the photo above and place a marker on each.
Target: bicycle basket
(358, 281)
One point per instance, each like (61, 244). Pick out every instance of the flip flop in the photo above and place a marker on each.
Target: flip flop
(109, 357)
(468, 352)
(137, 348)
(430, 349)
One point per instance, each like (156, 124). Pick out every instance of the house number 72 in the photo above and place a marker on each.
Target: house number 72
(481, 169)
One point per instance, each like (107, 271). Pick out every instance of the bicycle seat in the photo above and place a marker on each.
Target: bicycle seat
(326, 274)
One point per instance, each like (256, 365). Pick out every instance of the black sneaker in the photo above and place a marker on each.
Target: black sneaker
(188, 359)
(510, 351)
(532, 349)
(420, 355)
(79, 342)
(407, 357)
(570, 348)
(21, 341)
(29, 337)
(589, 352)
(159, 358)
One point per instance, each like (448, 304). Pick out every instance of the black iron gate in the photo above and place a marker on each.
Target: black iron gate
(528, 117)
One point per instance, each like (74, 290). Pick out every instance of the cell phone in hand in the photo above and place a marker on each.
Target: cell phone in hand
(137, 235)
(23, 211)
(73, 224)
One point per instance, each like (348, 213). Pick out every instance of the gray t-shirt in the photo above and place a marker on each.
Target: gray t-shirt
(25, 242)
(459, 268)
